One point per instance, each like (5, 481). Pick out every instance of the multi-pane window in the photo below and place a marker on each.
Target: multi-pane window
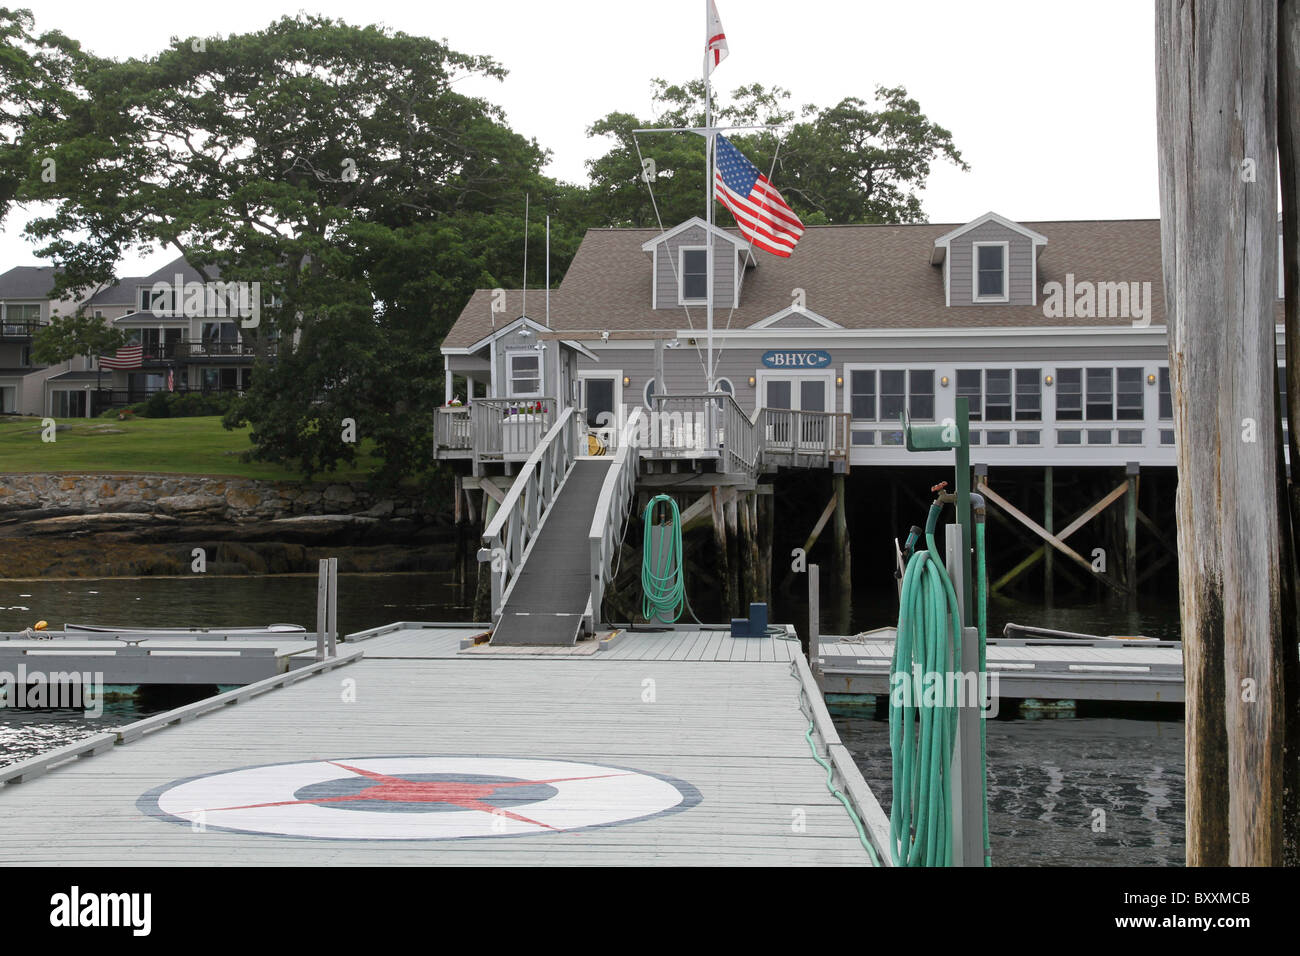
(695, 275)
(1002, 394)
(1166, 397)
(990, 271)
(1106, 394)
(862, 394)
(882, 395)
(893, 394)
(525, 374)
(1100, 394)
(997, 395)
(1128, 394)
(1069, 394)
(1029, 395)
(970, 386)
(920, 391)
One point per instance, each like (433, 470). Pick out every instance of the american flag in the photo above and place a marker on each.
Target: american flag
(764, 218)
(171, 381)
(128, 356)
(715, 40)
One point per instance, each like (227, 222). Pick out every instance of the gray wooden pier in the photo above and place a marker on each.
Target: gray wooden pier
(417, 745)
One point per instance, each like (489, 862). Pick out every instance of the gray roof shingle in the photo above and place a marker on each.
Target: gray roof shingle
(860, 277)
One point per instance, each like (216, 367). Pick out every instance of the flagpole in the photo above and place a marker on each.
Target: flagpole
(708, 185)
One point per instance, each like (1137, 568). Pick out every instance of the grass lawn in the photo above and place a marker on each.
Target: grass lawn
(185, 446)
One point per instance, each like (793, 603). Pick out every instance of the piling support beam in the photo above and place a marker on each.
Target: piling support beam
(1216, 81)
(843, 559)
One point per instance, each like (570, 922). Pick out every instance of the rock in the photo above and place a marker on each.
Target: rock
(192, 504)
(243, 499)
(339, 495)
(381, 509)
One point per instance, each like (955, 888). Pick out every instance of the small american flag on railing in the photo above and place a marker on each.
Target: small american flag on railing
(128, 356)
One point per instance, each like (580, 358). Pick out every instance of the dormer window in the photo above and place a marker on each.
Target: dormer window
(990, 264)
(693, 268)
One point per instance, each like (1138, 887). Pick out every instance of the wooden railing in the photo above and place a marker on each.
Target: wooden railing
(616, 496)
(792, 432)
(517, 521)
(511, 428)
(453, 429)
(705, 425)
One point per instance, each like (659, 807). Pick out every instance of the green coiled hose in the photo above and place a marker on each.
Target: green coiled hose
(663, 587)
(922, 724)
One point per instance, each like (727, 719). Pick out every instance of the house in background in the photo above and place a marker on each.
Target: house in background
(205, 351)
(25, 306)
(202, 352)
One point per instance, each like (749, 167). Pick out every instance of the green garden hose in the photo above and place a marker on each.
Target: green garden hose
(921, 733)
(663, 587)
(923, 717)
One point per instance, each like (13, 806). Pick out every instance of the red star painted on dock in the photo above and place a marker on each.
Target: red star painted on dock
(467, 796)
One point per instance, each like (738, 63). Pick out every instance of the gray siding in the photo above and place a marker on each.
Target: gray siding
(724, 268)
(684, 370)
(795, 321)
(1021, 275)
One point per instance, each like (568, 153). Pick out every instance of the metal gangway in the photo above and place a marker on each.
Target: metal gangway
(551, 543)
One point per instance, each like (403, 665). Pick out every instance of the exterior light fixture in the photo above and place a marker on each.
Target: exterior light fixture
(1048, 380)
(752, 381)
(839, 381)
(944, 381)
(627, 380)
(1151, 379)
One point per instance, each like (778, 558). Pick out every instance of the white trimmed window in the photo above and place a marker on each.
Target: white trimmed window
(990, 271)
(649, 395)
(524, 373)
(692, 275)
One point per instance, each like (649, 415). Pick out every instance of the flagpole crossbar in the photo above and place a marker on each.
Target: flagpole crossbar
(706, 130)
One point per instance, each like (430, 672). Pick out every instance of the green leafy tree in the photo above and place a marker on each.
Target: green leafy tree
(851, 163)
(68, 336)
(338, 166)
(36, 73)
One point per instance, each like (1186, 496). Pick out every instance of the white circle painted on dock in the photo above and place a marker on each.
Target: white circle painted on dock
(417, 798)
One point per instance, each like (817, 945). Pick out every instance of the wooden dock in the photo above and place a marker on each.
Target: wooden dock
(675, 747)
(1102, 669)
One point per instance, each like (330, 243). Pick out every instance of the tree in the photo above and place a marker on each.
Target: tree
(340, 168)
(849, 163)
(68, 336)
(36, 71)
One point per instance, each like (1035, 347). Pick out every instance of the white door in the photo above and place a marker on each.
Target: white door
(796, 403)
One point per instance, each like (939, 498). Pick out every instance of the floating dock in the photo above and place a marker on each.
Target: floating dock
(418, 746)
(136, 657)
(1101, 669)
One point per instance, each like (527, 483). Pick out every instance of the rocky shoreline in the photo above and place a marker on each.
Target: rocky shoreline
(109, 525)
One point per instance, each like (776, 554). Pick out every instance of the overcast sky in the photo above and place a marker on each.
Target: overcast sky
(1052, 104)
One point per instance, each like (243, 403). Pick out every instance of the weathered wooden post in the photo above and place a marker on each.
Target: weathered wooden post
(1288, 129)
(1218, 146)
(1049, 525)
(843, 559)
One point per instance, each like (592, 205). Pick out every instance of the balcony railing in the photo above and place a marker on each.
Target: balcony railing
(494, 429)
(681, 427)
(187, 350)
(20, 330)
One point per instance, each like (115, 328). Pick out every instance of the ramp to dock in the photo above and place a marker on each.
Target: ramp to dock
(548, 599)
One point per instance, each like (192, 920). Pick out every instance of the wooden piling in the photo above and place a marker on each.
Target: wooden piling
(843, 559)
(736, 586)
(1217, 114)
(1049, 525)
(720, 546)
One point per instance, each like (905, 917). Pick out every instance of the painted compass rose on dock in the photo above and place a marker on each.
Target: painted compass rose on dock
(417, 798)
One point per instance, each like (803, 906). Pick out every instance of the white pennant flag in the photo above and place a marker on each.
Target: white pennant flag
(715, 40)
